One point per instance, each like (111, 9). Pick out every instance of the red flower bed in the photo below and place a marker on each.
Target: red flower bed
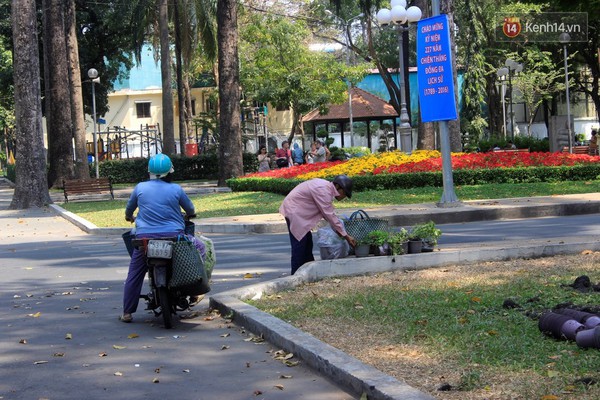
(292, 172)
(491, 161)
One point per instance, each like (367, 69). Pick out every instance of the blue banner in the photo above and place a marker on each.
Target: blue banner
(434, 70)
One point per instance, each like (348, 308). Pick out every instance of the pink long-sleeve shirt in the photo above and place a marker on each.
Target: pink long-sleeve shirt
(307, 203)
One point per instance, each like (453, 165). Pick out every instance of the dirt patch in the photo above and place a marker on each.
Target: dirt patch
(445, 377)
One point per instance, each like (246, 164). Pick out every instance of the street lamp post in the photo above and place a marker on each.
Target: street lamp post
(502, 72)
(346, 24)
(565, 38)
(512, 68)
(93, 75)
(400, 16)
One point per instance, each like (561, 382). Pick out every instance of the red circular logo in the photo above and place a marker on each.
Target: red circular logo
(511, 27)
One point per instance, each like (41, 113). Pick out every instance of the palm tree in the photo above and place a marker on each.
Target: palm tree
(81, 163)
(165, 72)
(195, 39)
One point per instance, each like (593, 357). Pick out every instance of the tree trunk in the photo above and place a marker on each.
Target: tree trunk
(230, 142)
(426, 136)
(82, 170)
(189, 114)
(31, 189)
(58, 95)
(447, 7)
(179, 68)
(167, 86)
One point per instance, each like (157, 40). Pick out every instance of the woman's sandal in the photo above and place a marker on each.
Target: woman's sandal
(126, 318)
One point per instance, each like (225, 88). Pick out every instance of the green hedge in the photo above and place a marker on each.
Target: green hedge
(420, 179)
(200, 167)
(10, 173)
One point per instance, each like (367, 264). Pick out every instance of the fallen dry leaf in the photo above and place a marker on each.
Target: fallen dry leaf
(224, 347)
(133, 336)
(102, 355)
(58, 354)
(155, 380)
(280, 387)
(68, 336)
(117, 347)
(118, 373)
(40, 362)
(36, 315)
(285, 377)
(291, 363)
(248, 276)
(226, 335)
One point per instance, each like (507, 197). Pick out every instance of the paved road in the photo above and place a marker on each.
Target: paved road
(61, 283)
(61, 295)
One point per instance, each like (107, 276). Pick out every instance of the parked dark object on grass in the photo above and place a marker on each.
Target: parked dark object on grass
(559, 326)
(589, 338)
(588, 319)
(584, 284)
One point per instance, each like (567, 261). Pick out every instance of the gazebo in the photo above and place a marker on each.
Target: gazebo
(365, 107)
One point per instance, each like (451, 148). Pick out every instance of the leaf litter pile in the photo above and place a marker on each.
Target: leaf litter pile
(460, 332)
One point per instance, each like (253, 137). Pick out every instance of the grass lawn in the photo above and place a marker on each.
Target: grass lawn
(111, 213)
(448, 326)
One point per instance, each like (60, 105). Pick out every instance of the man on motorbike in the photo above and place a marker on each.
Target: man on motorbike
(159, 204)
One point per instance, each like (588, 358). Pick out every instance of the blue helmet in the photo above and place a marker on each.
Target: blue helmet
(160, 165)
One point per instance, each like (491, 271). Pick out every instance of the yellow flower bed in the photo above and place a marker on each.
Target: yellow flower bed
(367, 164)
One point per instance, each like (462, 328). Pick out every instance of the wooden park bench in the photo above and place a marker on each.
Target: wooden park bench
(87, 186)
(577, 149)
(511, 151)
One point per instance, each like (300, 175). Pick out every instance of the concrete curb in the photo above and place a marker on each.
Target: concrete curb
(327, 360)
(86, 225)
(338, 366)
(409, 215)
(6, 182)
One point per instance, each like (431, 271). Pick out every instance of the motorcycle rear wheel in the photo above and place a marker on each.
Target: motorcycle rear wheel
(165, 307)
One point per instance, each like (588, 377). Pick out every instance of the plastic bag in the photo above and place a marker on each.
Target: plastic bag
(331, 245)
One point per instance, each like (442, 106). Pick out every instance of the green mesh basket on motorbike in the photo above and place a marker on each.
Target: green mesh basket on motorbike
(189, 276)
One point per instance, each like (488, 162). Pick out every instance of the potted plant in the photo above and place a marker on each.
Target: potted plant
(398, 242)
(427, 234)
(362, 248)
(378, 240)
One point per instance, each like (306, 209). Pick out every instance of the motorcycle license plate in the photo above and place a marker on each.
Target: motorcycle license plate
(160, 249)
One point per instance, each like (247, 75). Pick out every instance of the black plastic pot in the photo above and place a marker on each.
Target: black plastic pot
(588, 319)
(415, 246)
(559, 326)
(589, 338)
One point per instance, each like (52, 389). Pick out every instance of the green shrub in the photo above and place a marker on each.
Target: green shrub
(337, 154)
(10, 173)
(522, 142)
(200, 167)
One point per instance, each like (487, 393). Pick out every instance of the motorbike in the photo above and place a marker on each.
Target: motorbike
(163, 299)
